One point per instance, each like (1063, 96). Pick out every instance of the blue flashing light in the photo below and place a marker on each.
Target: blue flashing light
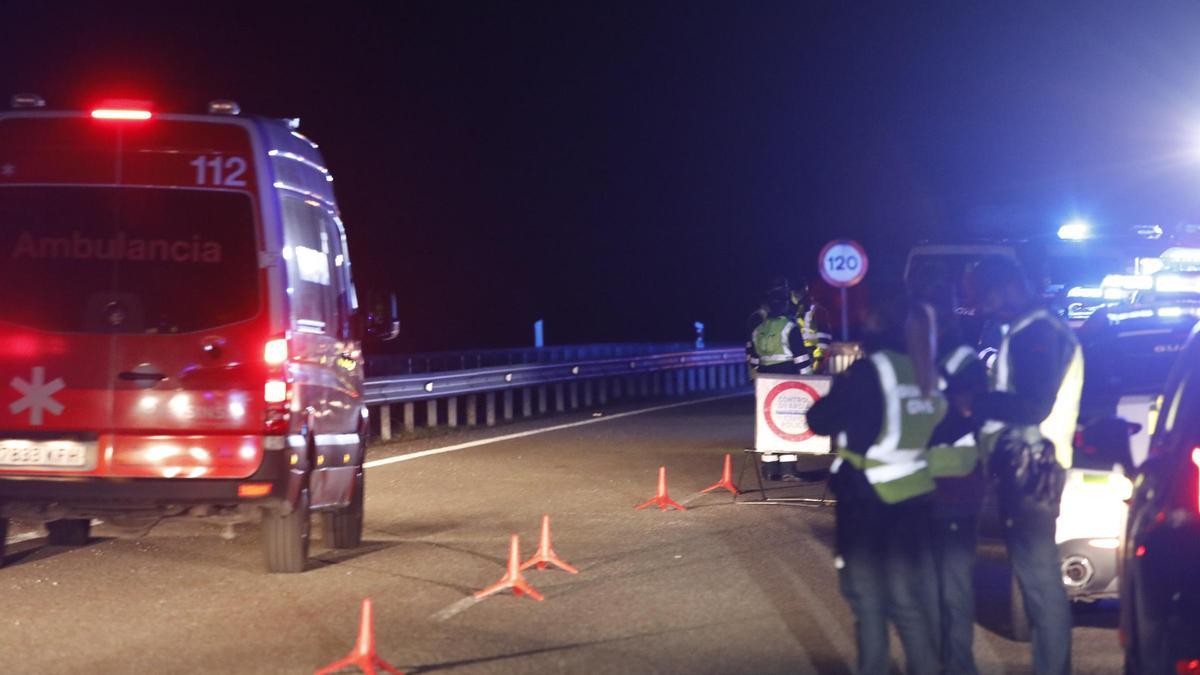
(1076, 230)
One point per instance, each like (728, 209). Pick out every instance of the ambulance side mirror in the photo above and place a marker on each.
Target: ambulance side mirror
(381, 321)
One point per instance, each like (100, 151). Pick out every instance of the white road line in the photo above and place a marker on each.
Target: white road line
(533, 432)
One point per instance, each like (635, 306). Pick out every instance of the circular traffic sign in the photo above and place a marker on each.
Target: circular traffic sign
(785, 410)
(843, 263)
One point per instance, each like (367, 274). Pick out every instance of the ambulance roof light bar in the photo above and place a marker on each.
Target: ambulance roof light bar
(224, 107)
(27, 101)
(122, 110)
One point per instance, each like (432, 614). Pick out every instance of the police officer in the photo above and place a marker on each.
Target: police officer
(1030, 417)
(883, 419)
(961, 484)
(814, 324)
(777, 346)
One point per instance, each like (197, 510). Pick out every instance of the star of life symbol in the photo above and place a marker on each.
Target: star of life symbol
(38, 395)
(8, 170)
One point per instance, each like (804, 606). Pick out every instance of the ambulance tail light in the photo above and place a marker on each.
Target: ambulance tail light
(275, 353)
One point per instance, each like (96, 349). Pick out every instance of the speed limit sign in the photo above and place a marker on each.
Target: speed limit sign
(843, 263)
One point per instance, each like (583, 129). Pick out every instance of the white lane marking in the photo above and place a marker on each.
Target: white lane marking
(533, 432)
(448, 612)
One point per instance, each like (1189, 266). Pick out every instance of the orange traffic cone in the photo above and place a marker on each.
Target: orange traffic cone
(363, 655)
(545, 553)
(726, 478)
(661, 499)
(512, 578)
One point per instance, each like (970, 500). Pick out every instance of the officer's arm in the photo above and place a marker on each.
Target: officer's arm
(1036, 355)
(854, 404)
(801, 354)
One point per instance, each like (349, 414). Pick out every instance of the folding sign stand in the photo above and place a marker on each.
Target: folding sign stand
(781, 427)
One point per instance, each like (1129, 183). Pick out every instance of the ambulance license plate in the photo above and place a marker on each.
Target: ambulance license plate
(21, 453)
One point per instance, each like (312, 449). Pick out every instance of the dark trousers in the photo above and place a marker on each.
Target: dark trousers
(954, 540)
(886, 574)
(1029, 533)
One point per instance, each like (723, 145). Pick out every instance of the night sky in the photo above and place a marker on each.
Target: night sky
(623, 169)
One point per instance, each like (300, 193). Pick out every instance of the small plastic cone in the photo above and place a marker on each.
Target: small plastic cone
(512, 577)
(363, 655)
(726, 478)
(545, 553)
(661, 499)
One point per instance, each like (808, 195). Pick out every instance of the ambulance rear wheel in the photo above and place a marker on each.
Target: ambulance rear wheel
(68, 532)
(285, 537)
(343, 528)
(3, 538)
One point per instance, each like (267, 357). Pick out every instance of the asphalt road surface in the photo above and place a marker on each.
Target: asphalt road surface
(720, 588)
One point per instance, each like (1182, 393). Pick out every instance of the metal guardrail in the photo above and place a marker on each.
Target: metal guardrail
(565, 385)
(380, 365)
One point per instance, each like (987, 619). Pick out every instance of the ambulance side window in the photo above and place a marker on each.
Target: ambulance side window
(309, 255)
(339, 280)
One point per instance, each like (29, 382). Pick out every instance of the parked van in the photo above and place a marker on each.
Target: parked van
(179, 333)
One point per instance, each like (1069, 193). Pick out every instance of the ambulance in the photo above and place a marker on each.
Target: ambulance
(179, 329)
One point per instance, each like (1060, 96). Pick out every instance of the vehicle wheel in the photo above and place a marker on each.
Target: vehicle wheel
(1018, 620)
(285, 537)
(343, 528)
(3, 538)
(69, 532)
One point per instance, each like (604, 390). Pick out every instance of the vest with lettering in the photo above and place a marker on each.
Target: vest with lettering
(895, 465)
(1060, 425)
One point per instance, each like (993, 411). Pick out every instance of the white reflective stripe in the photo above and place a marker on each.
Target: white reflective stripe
(296, 441)
(967, 441)
(895, 455)
(803, 358)
(788, 458)
(837, 464)
(890, 472)
(991, 427)
(784, 343)
(890, 439)
(958, 358)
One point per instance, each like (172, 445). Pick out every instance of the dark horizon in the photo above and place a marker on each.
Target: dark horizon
(623, 170)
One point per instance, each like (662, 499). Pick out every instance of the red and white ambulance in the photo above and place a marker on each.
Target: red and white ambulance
(179, 333)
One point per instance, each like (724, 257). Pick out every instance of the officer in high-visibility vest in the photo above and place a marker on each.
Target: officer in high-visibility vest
(777, 346)
(882, 419)
(814, 324)
(1030, 414)
(954, 462)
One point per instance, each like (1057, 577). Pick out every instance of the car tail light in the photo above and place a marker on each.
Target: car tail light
(120, 114)
(254, 489)
(1196, 461)
(275, 391)
(1187, 667)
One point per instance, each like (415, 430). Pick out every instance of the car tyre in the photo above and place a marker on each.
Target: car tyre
(1018, 620)
(3, 538)
(285, 537)
(343, 528)
(69, 531)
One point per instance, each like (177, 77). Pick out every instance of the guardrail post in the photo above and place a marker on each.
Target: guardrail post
(472, 410)
(508, 405)
(711, 378)
(489, 412)
(526, 402)
(574, 395)
(385, 422)
(644, 385)
(431, 416)
(541, 393)
(587, 392)
(452, 411)
(680, 377)
(656, 381)
(410, 417)
(691, 380)
(603, 389)
(724, 371)
(669, 382)
(617, 388)
(560, 398)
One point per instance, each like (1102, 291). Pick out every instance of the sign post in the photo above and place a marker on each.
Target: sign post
(843, 263)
